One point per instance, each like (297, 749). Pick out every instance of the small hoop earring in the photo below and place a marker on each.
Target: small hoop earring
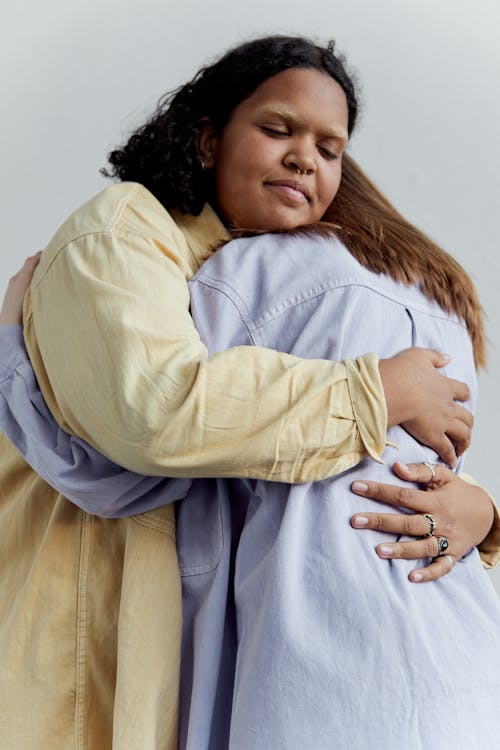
(203, 164)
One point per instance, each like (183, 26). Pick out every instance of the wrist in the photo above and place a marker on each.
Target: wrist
(394, 382)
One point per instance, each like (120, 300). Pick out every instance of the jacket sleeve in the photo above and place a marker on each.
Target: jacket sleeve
(118, 358)
(489, 549)
(68, 464)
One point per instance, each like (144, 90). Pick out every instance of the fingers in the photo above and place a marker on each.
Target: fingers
(404, 497)
(464, 416)
(412, 525)
(422, 474)
(415, 550)
(392, 523)
(460, 430)
(461, 435)
(11, 312)
(29, 265)
(439, 359)
(460, 391)
(446, 450)
(438, 568)
(22, 279)
(415, 524)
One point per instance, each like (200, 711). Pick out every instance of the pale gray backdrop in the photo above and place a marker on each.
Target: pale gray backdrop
(76, 76)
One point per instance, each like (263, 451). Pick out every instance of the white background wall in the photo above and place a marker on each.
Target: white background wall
(77, 76)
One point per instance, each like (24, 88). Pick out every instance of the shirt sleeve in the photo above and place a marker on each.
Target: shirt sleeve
(71, 466)
(489, 549)
(121, 364)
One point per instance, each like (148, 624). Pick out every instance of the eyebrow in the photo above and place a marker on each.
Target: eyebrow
(338, 134)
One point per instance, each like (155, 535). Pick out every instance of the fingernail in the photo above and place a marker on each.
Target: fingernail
(405, 467)
(416, 577)
(360, 487)
(385, 550)
(360, 521)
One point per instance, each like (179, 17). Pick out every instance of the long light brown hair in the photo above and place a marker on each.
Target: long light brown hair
(383, 241)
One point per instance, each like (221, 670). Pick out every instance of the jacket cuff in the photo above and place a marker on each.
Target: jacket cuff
(368, 402)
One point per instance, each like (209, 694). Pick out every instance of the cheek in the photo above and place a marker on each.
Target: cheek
(252, 155)
(242, 166)
(328, 187)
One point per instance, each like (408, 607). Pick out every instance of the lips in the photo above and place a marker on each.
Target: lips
(291, 190)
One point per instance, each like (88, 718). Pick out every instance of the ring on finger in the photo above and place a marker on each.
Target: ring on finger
(432, 524)
(442, 545)
(432, 467)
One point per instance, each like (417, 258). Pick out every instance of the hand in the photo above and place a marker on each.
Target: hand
(12, 308)
(463, 514)
(424, 401)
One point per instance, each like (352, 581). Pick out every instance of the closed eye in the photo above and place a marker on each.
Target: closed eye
(327, 154)
(273, 131)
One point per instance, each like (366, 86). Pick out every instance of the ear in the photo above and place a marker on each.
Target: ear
(207, 141)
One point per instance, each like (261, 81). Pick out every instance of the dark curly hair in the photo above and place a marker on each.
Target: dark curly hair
(162, 154)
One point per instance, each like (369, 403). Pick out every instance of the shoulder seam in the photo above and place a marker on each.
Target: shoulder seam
(91, 232)
(237, 302)
(121, 206)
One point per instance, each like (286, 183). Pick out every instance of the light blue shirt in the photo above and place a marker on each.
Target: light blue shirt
(295, 634)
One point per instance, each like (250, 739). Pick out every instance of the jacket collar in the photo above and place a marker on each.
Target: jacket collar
(203, 233)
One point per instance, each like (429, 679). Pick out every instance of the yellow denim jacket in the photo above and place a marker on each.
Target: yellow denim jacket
(91, 608)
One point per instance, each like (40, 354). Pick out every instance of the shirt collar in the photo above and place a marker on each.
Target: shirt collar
(203, 233)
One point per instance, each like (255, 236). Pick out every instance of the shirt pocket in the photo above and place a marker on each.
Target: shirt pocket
(200, 529)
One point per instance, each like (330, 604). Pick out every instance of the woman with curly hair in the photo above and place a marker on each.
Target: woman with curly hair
(90, 629)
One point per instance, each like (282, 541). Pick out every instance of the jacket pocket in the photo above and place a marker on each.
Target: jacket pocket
(161, 520)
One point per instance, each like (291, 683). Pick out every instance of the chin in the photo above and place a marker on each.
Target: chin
(282, 222)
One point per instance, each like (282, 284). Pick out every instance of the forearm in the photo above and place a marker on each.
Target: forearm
(67, 463)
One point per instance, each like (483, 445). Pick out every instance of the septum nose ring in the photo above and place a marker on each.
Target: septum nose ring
(303, 171)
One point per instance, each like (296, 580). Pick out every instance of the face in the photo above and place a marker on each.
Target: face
(277, 163)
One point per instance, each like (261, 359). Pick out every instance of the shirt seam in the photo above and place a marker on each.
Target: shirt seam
(237, 302)
(116, 215)
(91, 233)
(279, 309)
(81, 687)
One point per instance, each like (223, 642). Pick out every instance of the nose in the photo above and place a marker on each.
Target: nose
(300, 159)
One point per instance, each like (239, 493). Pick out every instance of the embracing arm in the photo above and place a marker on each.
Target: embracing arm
(70, 465)
(99, 486)
(120, 364)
